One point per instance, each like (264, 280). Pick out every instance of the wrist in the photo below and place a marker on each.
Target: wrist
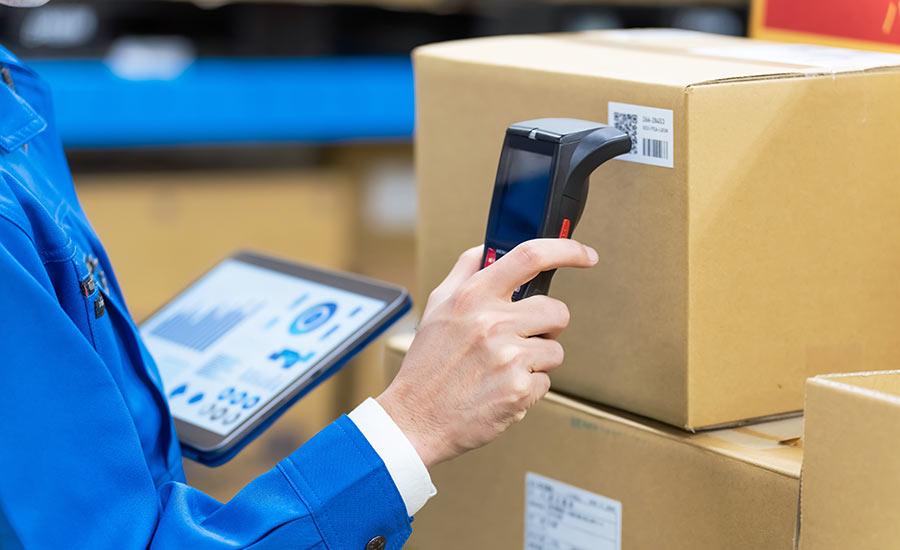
(420, 437)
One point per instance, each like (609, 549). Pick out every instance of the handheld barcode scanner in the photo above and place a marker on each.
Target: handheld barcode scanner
(541, 184)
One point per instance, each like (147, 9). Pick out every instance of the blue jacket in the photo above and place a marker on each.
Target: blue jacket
(88, 453)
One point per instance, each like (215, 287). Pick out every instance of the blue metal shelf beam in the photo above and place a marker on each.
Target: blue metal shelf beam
(216, 101)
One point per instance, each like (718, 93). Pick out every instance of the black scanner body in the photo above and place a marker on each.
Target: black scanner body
(542, 184)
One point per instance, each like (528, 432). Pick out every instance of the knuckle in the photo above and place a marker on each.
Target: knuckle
(520, 387)
(557, 353)
(465, 298)
(507, 356)
(435, 294)
(435, 297)
(482, 323)
(530, 253)
(486, 325)
(544, 386)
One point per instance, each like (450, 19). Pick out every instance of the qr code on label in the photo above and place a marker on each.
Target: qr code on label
(627, 123)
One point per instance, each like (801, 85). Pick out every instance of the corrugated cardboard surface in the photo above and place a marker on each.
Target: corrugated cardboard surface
(734, 489)
(763, 257)
(851, 475)
(675, 493)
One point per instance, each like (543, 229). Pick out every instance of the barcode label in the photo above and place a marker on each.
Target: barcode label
(651, 131)
(628, 124)
(656, 148)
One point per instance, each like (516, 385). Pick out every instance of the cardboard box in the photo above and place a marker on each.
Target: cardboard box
(571, 475)
(759, 251)
(851, 474)
(844, 23)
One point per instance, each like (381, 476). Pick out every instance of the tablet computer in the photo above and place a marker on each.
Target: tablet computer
(251, 337)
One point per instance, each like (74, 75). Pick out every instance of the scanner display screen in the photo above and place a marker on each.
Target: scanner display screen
(241, 335)
(523, 196)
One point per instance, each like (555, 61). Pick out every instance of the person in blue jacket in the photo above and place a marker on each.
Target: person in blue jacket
(88, 452)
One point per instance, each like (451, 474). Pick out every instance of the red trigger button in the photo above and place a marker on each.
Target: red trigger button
(491, 257)
(564, 231)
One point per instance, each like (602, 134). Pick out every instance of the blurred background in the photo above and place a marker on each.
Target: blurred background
(197, 128)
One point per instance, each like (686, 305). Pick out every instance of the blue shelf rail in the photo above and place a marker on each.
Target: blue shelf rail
(218, 101)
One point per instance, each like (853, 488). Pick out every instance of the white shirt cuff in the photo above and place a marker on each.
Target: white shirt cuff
(399, 456)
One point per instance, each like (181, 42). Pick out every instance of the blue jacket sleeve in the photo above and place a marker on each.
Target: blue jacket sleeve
(334, 492)
(73, 473)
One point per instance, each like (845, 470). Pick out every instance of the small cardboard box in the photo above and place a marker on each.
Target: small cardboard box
(747, 243)
(851, 474)
(571, 475)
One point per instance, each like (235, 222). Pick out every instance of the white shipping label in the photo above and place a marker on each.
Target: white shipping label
(651, 130)
(559, 516)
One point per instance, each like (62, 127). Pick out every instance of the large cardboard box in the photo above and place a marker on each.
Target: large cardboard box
(868, 25)
(851, 474)
(572, 475)
(756, 249)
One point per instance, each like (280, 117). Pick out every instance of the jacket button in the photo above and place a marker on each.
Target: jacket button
(377, 543)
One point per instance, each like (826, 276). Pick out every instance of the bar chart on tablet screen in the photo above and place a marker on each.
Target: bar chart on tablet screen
(199, 329)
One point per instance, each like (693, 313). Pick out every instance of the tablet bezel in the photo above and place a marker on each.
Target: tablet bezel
(213, 449)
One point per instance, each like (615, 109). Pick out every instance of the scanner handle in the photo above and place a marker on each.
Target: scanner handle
(593, 150)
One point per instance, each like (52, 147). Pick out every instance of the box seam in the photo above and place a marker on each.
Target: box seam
(827, 382)
(661, 431)
(686, 147)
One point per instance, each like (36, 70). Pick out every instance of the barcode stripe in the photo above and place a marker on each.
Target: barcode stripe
(656, 148)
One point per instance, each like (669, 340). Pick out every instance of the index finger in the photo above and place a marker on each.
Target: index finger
(525, 261)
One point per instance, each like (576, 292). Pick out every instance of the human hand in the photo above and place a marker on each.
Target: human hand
(480, 360)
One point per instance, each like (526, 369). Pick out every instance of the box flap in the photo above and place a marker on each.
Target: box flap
(774, 445)
(880, 385)
(669, 57)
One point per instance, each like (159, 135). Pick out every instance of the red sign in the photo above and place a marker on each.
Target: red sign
(859, 23)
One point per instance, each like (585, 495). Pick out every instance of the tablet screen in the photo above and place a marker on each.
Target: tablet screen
(241, 335)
